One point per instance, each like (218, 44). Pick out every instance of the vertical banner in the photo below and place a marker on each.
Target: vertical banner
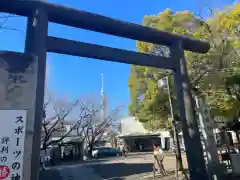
(12, 137)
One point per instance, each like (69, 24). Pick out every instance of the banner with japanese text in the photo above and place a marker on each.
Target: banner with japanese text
(12, 137)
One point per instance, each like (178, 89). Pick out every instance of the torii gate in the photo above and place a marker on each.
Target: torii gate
(38, 43)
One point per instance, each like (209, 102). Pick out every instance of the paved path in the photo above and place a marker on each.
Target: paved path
(51, 174)
(117, 168)
(69, 173)
(131, 167)
(78, 173)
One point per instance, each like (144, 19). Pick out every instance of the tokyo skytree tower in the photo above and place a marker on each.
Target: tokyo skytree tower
(103, 100)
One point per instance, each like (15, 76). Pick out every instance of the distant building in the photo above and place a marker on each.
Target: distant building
(70, 148)
(133, 135)
(60, 129)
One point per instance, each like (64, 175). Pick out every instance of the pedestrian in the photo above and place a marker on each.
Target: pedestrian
(158, 156)
(126, 151)
(123, 152)
(42, 161)
(52, 160)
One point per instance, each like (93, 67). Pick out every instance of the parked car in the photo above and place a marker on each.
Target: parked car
(105, 152)
(95, 152)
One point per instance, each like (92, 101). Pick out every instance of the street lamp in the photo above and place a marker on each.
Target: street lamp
(164, 83)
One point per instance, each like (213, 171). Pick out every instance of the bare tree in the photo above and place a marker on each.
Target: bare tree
(92, 124)
(112, 137)
(4, 19)
(53, 123)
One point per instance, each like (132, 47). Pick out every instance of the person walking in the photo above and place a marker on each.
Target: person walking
(42, 161)
(124, 151)
(158, 159)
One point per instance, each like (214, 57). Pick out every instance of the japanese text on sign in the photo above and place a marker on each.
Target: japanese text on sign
(12, 136)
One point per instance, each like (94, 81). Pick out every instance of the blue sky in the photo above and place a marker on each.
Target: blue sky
(71, 77)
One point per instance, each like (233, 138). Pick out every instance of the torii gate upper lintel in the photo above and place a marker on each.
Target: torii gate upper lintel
(98, 23)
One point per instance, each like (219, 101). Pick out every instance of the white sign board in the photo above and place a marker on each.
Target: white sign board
(12, 136)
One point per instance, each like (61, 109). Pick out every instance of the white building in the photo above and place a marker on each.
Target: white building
(134, 134)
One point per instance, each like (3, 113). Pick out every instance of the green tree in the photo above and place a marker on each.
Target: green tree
(220, 64)
(149, 102)
(209, 72)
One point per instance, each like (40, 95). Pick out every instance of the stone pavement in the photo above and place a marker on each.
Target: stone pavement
(130, 168)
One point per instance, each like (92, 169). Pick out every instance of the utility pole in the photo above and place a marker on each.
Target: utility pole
(179, 165)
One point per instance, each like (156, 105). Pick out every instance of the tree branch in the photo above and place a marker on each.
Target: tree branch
(5, 18)
(93, 126)
(53, 124)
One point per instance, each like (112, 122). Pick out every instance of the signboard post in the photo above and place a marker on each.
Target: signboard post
(18, 79)
(12, 136)
(208, 140)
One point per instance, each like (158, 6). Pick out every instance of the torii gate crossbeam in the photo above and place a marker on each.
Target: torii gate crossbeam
(80, 19)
